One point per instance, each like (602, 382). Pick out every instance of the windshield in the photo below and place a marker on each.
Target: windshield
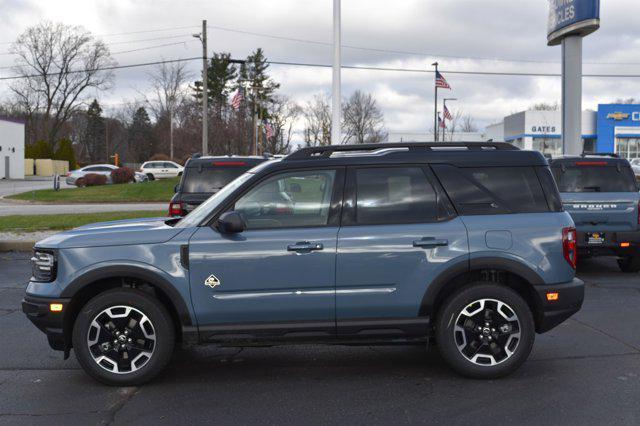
(199, 213)
(208, 179)
(594, 179)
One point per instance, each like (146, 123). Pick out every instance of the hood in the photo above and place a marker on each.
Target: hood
(114, 233)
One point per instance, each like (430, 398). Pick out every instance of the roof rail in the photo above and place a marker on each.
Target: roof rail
(370, 149)
(600, 154)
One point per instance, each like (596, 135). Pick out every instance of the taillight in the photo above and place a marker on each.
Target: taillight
(569, 246)
(176, 209)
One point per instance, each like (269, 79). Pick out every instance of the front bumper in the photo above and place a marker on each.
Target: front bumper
(552, 313)
(611, 247)
(51, 323)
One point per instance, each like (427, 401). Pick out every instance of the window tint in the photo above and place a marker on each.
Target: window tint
(91, 169)
(289, 200)
(493, 190)
(208, 180)
(594, 179)
(394, 195)
(169, 166)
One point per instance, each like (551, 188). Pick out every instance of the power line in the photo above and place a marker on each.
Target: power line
(355, 67)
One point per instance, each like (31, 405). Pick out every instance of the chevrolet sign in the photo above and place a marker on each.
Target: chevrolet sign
(618, 116)
(572, 17)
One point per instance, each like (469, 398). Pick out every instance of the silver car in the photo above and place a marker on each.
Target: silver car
(100, 169)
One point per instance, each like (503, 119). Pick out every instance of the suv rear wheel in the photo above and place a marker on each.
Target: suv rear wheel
(629, 263)
(485, 331)
(151, 176)
(123, 337)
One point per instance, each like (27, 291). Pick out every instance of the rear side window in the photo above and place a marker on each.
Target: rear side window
(493, 190)
(209, 179)
(594, 178)
(387, 195)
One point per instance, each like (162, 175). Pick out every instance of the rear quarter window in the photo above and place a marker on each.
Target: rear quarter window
(493, 190)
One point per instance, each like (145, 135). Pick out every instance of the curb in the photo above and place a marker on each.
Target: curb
(16, 245)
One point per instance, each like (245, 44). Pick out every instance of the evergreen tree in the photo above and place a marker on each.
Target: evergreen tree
(94, 136)
(142, 144)
(262, 86)
(65, 152)
(220, 73)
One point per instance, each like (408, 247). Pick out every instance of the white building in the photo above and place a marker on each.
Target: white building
(11, 149)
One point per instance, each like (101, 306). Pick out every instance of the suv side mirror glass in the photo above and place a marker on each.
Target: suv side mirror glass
(230, 223)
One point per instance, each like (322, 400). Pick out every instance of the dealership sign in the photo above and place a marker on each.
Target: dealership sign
(572, 17)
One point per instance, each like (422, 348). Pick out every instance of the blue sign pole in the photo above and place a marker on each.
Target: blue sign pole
(569, 22)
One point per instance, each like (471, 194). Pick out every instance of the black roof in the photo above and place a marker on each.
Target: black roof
(612, 159)
(249, 160)
(462, 154)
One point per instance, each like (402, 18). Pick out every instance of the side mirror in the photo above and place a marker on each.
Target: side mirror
(175, 188)
(230, 223)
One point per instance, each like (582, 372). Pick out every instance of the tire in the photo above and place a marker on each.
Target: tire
(179, 174)
(629, 264)
(471, 360)
(156, 336)
(150, 176)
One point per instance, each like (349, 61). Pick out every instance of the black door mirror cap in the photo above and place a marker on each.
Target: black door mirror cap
(230, 223)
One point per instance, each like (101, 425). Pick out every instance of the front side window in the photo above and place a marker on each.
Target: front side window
(289, 200)
(388, 195)
(170, 166)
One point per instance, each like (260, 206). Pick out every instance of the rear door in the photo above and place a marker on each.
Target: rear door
(397, 234)
(601, 197)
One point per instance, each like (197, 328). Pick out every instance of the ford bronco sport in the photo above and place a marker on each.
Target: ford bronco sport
(463, 243)
(601, 194)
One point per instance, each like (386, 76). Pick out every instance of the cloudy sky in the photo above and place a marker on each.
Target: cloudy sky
(463, 35)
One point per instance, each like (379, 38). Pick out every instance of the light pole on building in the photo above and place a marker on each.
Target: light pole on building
(336, 99)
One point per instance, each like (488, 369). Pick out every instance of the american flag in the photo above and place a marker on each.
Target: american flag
(441, 123)
(447, 114)
(237, 99)
(441, 82)
(269, 129)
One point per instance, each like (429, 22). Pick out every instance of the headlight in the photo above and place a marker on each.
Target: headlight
(43, 265)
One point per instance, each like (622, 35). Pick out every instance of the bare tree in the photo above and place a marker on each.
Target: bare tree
(468, 124)
(317, 116)
(363, 120)
(626, 101)
(169, 87)
(283, 114)
(544, 106)
(56, 64)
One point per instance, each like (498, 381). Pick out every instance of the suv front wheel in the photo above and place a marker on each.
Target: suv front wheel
(123, 337)
(485, 331)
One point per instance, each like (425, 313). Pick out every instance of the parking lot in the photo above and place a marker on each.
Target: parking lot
(587, 371)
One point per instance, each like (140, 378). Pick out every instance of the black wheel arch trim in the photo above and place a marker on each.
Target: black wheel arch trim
(467, 265)
(118, 271)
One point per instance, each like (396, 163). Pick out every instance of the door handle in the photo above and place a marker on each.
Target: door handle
(430, 242)
(305, 246)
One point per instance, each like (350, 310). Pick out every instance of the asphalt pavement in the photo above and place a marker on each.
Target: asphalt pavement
(586, 371)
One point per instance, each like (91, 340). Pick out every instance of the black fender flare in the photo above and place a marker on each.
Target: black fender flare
(118, 271)
(467, 265)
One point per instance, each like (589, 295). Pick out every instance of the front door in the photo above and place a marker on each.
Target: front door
(280, 271)
(399, 232)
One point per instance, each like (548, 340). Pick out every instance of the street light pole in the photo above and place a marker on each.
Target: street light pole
(444, 108)
(435, 106)
(205, 92)
(336, 98)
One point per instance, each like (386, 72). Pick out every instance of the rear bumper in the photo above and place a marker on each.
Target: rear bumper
(553, 313)
(612, 245)
(51, 323)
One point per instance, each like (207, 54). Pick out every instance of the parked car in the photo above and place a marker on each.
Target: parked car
(101, 169)
(601, 194)
(161, 169)
(204, 176)
(365, 244)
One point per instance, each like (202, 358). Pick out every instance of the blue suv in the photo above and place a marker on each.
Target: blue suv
(466, 244)
(601, 194)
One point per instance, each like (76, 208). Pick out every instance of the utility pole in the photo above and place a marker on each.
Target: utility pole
(435, 106)
(205, 92)
(171, 130)
(336, 97)
(444, 108)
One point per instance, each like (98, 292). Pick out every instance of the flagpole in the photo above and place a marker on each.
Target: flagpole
(436, 130)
